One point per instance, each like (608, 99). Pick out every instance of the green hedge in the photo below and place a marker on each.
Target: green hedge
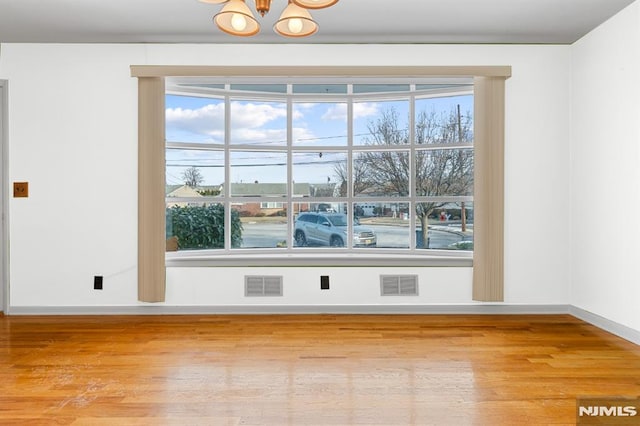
(202, 227)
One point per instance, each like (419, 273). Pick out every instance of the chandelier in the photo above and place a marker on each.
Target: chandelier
(236, 18)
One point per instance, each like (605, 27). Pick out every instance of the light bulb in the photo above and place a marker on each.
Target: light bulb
(295, 25)
(238, 22)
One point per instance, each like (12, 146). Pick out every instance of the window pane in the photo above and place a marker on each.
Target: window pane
(264, 225)
(380, 88)
(203, 86)
(194, 119)
(324, 174)
(258, 123)
(258, 174)
(320, 225)
(444, 172)
(450, 226)
(438, 120)
(197, 226)
(331, 89)
(381, 173)
(319, 207)
(320, 124)
(381, 123)
(194, 173)
(445, 86)
(384, 225)
(264, 88)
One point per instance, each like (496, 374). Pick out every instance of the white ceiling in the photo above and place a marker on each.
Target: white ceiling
(349, 21)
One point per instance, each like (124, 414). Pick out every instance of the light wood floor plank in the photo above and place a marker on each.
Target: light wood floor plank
(307, 370)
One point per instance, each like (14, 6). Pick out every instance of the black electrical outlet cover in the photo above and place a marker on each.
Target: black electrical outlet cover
(324, 282)
(97, 282)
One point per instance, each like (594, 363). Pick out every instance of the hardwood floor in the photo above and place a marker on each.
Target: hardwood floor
(307, 370)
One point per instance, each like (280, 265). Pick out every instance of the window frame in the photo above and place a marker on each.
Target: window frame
(225, 94)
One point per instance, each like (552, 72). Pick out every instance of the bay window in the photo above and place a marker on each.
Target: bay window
(396, 157)
(394, 167)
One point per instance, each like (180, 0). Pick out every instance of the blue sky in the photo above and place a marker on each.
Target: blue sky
(201, 120)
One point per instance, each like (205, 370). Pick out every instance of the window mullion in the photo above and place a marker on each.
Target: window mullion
(412, 172)
(350, 182)
(290, 183)
(227, 172)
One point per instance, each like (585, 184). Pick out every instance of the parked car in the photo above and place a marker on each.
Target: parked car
(330, 229)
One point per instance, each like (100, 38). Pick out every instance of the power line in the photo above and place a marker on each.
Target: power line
(304, 163)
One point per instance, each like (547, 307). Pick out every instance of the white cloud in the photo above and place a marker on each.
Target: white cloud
(300, 109)
(365, 109)
(208, 120)
(247, 119)
(251, 115)
(360, 109)
(270, 137)
(337, 112)
(304, 105)
(302, 134)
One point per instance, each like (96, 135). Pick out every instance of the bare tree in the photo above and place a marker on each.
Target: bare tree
(192, 177)
(360, 181)
(439, 170)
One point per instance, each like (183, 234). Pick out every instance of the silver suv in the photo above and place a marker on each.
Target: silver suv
(330, 229)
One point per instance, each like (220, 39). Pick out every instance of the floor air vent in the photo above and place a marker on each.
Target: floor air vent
(262, 285)
(399, 285)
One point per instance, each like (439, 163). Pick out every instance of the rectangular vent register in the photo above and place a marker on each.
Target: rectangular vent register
(262, 285)
(398, 285)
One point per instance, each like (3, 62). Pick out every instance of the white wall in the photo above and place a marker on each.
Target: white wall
(73, 137)
(605, 169)
(4, 185)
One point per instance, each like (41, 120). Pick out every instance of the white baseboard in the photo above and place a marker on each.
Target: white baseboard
(620, 330)
(157, 309)
(612, 327)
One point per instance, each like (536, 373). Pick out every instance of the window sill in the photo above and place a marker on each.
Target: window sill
(438, 259)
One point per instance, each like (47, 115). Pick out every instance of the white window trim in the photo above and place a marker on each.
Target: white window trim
(412, 254)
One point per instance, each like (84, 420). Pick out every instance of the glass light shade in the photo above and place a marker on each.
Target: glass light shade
(213, 1)
(314, 4)
(295, 22)
(235, 18)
